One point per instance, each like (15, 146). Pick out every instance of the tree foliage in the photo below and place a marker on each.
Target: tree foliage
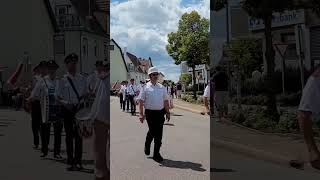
(247, 53)
(191, 42)
(185, 79)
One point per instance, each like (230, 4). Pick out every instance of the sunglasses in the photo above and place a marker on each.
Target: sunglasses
(154, 74)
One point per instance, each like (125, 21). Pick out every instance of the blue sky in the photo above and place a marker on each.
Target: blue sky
(142, 27)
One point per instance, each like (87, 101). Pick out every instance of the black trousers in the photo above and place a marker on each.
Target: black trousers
(155, 120)
(121, 100)
(45, 137)
(132, 104)
(125, 102)
(73, 138)
(36, 121)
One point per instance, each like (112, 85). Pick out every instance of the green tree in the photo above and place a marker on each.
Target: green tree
(247, 53)
(264, 9)
(185, 79)
(190, 43)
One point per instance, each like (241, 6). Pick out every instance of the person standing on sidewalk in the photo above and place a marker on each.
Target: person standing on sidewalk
(309, 111)
(100, 114)
(41, 70)
(154, 105)
(45, 92)
(132, 92)
(71, 92)
(179, 89)
(220, 81)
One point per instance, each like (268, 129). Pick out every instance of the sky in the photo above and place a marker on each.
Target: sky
(142, 26)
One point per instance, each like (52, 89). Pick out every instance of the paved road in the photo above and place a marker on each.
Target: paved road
(19, 161)
(230, 166)
(186, 148)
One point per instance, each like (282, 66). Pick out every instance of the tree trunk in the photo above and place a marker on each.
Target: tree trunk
(194, 82)
(270, 57)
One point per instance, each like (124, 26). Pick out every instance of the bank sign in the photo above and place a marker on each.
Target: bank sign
(279, 19)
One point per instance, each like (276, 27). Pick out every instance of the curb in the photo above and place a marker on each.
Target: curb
(256, 154)
(188, 109)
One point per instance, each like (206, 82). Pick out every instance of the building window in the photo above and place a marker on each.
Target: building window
(85, 47)
(59, 44)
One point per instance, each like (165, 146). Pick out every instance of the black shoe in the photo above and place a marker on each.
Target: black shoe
(79, 167)
(158, 158)
(44, 155)
(36, 147)
(147, 151)
(71, 168)
(58, 157)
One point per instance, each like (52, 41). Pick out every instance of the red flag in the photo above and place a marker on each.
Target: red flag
(15, 76)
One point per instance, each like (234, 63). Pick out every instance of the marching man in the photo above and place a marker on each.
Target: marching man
(154, 105)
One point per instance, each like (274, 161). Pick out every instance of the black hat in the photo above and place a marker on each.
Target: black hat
(99, 63)
(52, 64)
(42, 64)
(71, 58)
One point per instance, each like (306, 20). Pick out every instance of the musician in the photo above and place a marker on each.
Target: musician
(40, 70)
(71, 92)
(45, 92)
(133, 92)
(93, 78)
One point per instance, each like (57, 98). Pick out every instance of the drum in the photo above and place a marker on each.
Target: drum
(84, 122)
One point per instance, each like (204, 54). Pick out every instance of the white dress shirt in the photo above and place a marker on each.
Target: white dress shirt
(41, 92)
(310, 100)
(132, 89)
(123, 89)
(66, 92)
(92, 80)
(101, 105)
(154, 96)
(207, 91)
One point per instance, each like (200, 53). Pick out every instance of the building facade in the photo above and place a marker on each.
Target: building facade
(28, 34)
(118, 66)
(84, 32)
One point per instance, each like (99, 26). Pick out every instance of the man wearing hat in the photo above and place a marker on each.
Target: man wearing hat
(154, 106)
(45, 92)
(71, 92)
(40, 71)
(93, 78)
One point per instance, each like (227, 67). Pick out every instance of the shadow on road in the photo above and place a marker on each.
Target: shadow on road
(84, 162)
(177, 115)
(168, 124)
(221, 170)
(182, 165)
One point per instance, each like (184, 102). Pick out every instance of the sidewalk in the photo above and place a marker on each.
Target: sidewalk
(180, 104)
(275, 148)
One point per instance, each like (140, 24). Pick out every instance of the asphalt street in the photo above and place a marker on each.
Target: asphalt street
(228, 165)
(18, 160)
(186, 147)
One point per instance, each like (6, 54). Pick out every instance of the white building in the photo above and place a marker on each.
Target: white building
(84, 32)
(27, 27)
(118, 66)
(202, 74)
(138, 67)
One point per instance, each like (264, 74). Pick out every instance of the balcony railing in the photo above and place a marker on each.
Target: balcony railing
(67, 21)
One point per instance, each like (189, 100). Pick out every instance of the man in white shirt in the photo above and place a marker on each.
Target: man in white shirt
(71, 92)
(101, 116)
(154, 105)
(45, 92)
(41, 70)
(132, 92)
(206, 98)
(93, 78)
(309, 111)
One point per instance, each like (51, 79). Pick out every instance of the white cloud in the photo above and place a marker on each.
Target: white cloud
(142, 26)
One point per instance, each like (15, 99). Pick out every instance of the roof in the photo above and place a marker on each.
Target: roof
(135, 61)
(51, 15)
(121, 53)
